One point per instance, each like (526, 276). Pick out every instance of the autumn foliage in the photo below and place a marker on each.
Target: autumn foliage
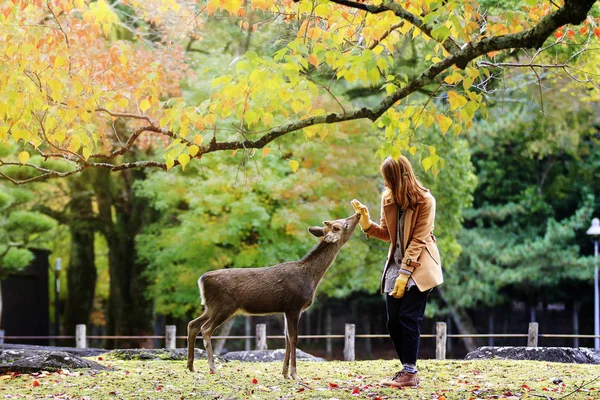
(83, 83)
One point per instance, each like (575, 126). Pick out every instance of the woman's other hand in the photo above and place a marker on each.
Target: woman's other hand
(400, 286)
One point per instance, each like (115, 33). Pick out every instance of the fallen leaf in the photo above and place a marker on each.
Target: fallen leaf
(254, 381)
(333, 385)
(36, 383)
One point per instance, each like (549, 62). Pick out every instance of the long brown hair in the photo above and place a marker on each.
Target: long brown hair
(401, 181)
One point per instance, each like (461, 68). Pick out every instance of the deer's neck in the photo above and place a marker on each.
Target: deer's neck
(319, 259)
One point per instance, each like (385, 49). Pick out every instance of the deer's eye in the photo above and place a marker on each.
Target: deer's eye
(346, 225)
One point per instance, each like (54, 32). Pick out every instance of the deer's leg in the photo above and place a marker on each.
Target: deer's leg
(193, 329)
(207, 330)
(292, 318)
(286, 360)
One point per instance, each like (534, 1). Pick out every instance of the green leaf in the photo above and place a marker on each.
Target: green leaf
(440, 33)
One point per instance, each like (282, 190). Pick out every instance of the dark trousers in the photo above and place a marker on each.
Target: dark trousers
(404, 318)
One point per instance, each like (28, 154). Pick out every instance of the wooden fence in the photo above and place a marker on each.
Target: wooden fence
(350, 336)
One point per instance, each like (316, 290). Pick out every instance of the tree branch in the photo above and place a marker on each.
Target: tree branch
(449, 44)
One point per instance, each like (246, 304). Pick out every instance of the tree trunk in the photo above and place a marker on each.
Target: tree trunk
(1, 325)
(123, 216)
(81, 272)
(575, 323)
(463, 323)
(328, 323)
(224, 330)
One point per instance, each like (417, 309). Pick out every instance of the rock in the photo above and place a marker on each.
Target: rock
(553, 354)
(28, 361)
(155, 354)
(267, 356)
(70, 350)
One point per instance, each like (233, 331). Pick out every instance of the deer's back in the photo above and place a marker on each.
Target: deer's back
(267, 290)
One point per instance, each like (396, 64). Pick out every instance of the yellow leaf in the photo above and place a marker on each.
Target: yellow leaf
(456, 129)
(123, 102)
(79, 4)
(144, 105)
(183, 159)
(193, 150)
(170, 162)
(210, 119)
(233, 153)
(294, 165)
(453, 78)
(56, 87)
(297, 106)
(413, 150)
(444, 123)
(59, 61)
(267, 118)
(198, 140)
(60, 136)
(266, 151)
(23, 157)
(285, 95)
(456, 100)
(314, 60)
(427, 163)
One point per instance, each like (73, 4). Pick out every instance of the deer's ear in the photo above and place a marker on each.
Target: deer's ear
(327, 223)
(316, 231)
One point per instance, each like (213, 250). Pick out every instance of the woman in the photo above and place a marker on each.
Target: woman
(413, 266)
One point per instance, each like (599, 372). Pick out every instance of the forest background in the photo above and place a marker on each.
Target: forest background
(508, 144)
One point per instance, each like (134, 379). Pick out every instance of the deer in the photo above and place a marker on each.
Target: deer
(288, 288)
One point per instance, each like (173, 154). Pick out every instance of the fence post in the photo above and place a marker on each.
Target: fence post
(80, 336)
(532, 338)
(170, 336)
(1, 336)
(440, 341)
(349, 342)
(261, 337)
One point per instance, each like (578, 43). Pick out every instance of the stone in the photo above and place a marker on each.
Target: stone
(580, 355)
(267, 356)
(29, 361)
(155, 354)
(71, 350)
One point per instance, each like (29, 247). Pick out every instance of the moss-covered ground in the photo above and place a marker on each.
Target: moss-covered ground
(483, 379)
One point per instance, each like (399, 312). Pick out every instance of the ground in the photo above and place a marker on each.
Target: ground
(458, 379)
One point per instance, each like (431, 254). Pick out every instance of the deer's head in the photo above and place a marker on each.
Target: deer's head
(338, 231)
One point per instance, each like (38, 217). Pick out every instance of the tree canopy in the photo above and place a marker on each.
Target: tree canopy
(71, 69)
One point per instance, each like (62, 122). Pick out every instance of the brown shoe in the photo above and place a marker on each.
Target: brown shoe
(403, 379)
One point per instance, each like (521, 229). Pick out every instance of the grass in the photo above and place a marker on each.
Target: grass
(451, 379)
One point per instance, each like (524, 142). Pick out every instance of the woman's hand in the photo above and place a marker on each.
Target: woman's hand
(365, 219)
(400, 285)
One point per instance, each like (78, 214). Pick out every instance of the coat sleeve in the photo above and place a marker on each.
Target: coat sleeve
(421, 231)
(380, 231)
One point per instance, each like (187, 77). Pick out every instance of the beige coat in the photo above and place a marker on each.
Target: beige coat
(421, 254)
